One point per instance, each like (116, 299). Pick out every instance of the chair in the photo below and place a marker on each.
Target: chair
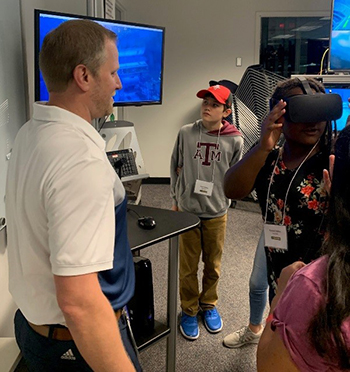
(251, 102)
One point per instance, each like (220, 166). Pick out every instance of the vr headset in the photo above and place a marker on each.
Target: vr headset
(311, 107)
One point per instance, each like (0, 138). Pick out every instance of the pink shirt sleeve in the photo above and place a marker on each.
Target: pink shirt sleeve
(296, 307)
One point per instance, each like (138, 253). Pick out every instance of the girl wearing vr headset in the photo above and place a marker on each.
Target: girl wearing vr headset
(289, 183)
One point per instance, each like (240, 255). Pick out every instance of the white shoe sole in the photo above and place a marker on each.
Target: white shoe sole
(254, 342)
(213, 330)
(191, 338)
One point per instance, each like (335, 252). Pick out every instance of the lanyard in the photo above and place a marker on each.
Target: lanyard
(290, 183)
(216, 147)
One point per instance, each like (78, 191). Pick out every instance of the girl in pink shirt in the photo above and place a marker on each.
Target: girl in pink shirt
(310, 317)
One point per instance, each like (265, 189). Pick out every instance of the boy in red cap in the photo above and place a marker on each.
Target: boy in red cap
(203, 152)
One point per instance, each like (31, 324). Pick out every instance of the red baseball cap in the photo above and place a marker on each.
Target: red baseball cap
(221, 94)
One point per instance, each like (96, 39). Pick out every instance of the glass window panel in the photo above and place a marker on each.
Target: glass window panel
(294, 45)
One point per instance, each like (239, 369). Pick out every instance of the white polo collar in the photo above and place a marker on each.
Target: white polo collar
(43, 112)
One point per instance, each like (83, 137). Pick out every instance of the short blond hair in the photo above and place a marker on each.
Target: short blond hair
(70, 44)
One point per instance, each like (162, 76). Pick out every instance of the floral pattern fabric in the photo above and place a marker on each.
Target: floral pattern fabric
(302, 212)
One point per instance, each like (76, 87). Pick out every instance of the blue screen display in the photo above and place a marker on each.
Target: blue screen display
(344, 92)
(340, 36)
(141, 53)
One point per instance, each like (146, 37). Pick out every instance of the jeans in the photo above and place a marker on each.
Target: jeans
(258, 284)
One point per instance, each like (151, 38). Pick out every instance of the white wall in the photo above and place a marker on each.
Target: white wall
(12, 116)
(202, 40)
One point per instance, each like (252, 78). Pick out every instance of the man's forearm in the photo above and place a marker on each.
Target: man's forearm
(96, 334)
(92, 323)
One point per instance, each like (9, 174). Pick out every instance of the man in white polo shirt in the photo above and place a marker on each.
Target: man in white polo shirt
(70, 272)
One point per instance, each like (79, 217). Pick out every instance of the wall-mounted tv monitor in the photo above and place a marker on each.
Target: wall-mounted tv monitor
(339, 55)
(141, 57)
(344, 91)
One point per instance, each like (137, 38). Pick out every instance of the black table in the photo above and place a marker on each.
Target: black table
(169, 225)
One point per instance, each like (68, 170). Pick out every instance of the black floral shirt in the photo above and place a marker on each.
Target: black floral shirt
(303, 214)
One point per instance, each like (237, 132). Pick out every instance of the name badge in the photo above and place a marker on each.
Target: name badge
(276, 236)
(203, 188)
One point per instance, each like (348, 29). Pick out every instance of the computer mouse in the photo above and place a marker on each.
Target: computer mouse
(147, 222)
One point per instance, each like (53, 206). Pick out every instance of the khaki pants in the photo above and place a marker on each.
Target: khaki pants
(206, 239)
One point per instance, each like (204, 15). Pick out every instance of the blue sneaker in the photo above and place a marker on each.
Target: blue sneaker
(212, 320)
(189, 326)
